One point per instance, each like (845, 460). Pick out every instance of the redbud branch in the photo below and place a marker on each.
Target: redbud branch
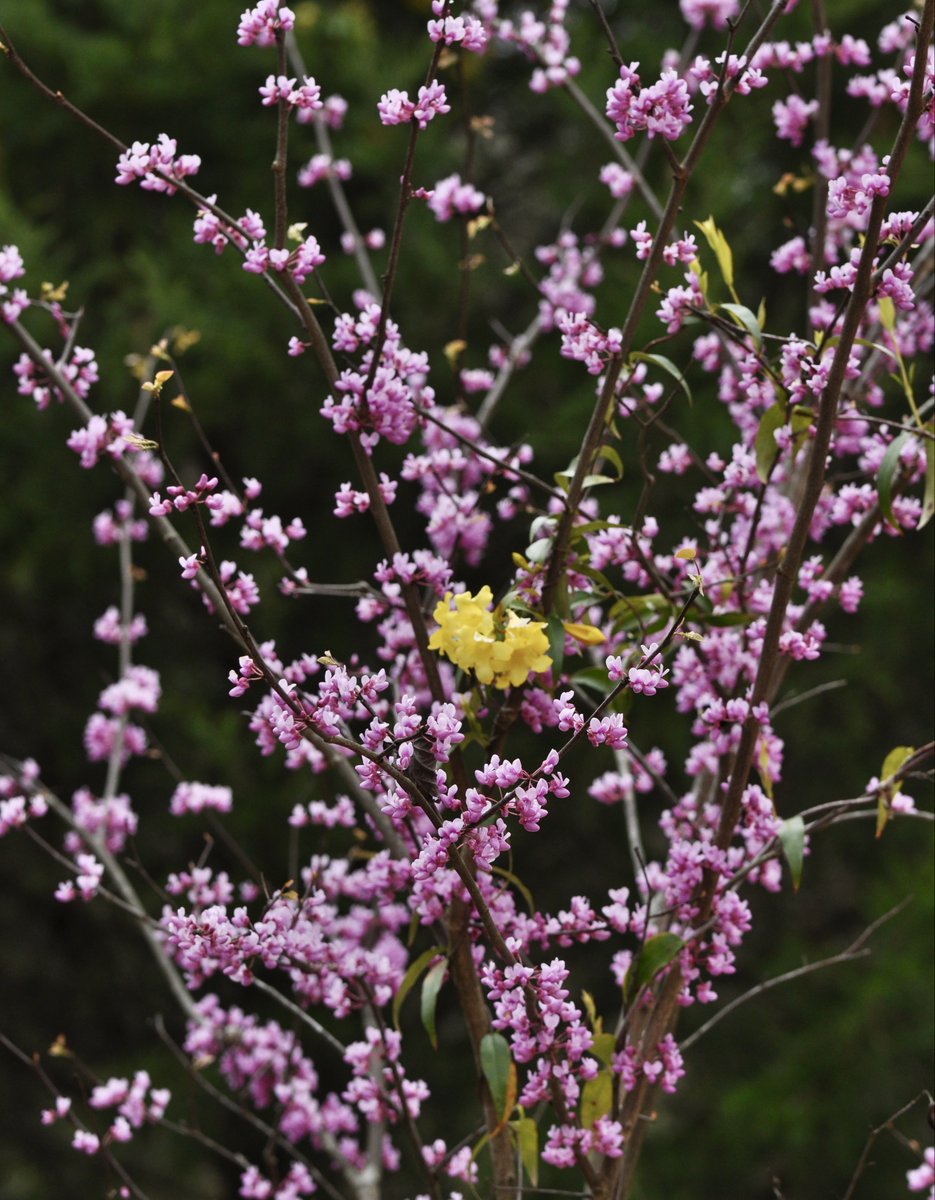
(902, 248)
(402, 1108)
(180, 185)
(299, 1013)
(887, 1126)
(338, 195)
(602, 125)
(787, 572)
(822, 134)
(601, 413)
(123, 467)
(125, 889)
(272, 1135)
(518, 346)
(113, 1164)
(282, 151)
(853, 952)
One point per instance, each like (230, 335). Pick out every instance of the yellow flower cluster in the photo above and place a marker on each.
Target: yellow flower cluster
(499, 647)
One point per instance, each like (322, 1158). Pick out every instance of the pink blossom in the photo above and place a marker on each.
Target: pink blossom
(156, 166)
(259, 25)
(450, 196)
(792, 116)
(714, 12)
(85, 1142)
(196, 797)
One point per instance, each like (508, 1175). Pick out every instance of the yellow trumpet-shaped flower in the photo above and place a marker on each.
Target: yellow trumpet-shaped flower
(500, 648)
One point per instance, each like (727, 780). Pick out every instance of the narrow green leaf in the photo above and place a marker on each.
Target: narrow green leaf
(613, 458)
(587, 527)
(724, 620)
(928, 500)
(767, 451)
(742, 316)
(886, 477)
(526, 1133)
(718, 243)
(891, 764)
(564, 478)
(605, 1045)
(594, 679)
(893, 761)
(542, 527)
(431, 986)
(641, 606)
(887, 310)
(495, 1063)
(657, 953)
(597, 1096)
(414, 970)
(664, 364)
(539, 550)
(792, 839)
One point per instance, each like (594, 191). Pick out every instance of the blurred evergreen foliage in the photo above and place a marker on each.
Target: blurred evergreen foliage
(790, 1084)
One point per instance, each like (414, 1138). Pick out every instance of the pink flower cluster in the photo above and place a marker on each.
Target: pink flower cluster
(663, 109)
(385, 407)
(450, 196)
(262, 24)
(466, 31)
(11, 267)
(395, 107)
(156, 166)
(304, 97)
(80, 372)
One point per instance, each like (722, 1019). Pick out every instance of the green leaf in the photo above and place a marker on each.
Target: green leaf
(613, 458)
(597, 1096)
(767, 450)
(742, 316)
(594, 679)
(542, 527)
(792, 839)
(605, 1045)
(431, 986)
(725, 620)
(664, 364)
(928, 501)
(887, 310)
(657, 953)
(495, 1063)
(718, 243)
(539, 550)
(564, 478)
(415, 969)
(640, 608)
(526, 1133)
(891, 764)
(889, 469)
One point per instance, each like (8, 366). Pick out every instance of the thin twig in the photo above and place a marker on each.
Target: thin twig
(854, 951)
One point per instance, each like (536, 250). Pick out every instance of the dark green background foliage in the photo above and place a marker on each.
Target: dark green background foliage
(788, 1086)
